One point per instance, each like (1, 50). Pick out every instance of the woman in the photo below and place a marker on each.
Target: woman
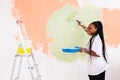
(97, 62)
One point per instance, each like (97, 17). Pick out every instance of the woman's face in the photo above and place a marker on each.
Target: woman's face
(92, 29)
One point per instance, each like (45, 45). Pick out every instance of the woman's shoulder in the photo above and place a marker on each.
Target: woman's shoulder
(97, 38)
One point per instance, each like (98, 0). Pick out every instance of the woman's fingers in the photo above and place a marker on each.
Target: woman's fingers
(78, 22)
(81, 49)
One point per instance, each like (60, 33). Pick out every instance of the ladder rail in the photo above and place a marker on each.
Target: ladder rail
(23, 45)
(13, 68)
(19, 68)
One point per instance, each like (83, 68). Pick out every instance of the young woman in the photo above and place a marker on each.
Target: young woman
(97, 62)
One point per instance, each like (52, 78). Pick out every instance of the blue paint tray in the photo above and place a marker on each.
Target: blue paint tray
(71, 50)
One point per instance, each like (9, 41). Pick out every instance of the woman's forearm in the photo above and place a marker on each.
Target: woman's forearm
(91, 53)
(84, 27)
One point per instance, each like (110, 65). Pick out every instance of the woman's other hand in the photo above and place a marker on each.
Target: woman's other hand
(82, 50)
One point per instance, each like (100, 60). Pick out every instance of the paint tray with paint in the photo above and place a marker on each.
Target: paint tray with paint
(71, 50)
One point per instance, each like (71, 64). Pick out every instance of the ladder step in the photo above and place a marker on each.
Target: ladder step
(30, 67)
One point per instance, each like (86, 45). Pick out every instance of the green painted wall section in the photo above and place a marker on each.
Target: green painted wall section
(65, 32)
